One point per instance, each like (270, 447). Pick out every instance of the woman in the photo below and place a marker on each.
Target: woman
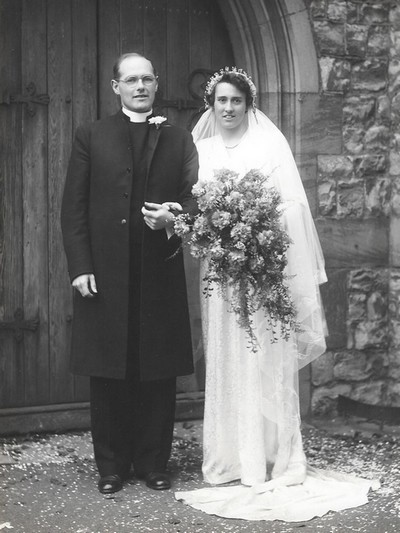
(252, 420)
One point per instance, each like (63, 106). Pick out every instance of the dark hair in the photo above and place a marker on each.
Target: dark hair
(236, 81)
(117, 64)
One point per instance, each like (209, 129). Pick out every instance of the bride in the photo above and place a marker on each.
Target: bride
(251, 420)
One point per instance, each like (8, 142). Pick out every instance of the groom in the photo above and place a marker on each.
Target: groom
(131, 331)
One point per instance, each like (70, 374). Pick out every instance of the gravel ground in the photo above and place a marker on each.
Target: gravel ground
(48, 484)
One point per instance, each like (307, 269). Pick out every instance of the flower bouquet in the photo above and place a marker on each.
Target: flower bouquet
(238, 232)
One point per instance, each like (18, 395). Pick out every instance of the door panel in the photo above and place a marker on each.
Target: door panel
(35, 208)
(66, 49)
(11, 246)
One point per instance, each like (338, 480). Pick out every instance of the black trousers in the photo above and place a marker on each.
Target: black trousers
(132, 421)
(132, 424)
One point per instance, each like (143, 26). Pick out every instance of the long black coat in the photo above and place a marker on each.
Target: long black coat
(95, 224)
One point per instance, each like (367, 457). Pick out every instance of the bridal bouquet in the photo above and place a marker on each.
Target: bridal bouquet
(238, 232)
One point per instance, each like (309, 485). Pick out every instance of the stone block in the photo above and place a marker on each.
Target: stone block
(359, 366)
(395, 196)
(324, 399)
(394, 241)
(394, 170)
(393, 394)
(356, 40)
(322, 369)
(350, 199)
(383, 111)
(334, 168)
(353, 140)
(369, 165)
(378, 196)
(369, 75)
(337, 11)
(318, 9)
(395, 43)
(394, 282)
(394, 333)
(327, 198)
(353, 16)
(377, 304)
(394, 77)
(321, 124)
(369, 334)
(371, 393)
(334, 298)
(367, 280)
(373, 13)
(378, 41)
(335, 74)
(357, 308)
(395, 113)
(394, 16)
(359, 110)
(349, 243)
(377, 139)
(394, 363)
(330, 38)
(396, 141)
(394, 308)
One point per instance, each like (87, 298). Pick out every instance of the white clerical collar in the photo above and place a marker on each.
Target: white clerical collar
(136, 117)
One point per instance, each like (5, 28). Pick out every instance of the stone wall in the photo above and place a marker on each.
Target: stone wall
(358, 45)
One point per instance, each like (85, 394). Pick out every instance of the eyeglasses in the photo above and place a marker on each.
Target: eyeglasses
(132, 81)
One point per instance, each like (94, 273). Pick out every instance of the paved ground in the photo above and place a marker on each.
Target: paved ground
(48, 485)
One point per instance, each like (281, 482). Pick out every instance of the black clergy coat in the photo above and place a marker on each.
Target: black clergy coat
(95, 224)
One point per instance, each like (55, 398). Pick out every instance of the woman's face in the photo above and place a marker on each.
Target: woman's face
(229, 106)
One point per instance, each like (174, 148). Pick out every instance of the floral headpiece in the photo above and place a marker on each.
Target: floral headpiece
(217, 76)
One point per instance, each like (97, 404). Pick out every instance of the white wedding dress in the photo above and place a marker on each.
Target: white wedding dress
(251, 420)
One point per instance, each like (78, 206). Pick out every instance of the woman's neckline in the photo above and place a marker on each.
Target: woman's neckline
(233, 146)
(236, 144)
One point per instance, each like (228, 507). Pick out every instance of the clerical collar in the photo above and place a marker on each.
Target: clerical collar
(136, 117)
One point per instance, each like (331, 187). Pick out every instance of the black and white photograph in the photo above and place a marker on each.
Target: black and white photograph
(199, 266)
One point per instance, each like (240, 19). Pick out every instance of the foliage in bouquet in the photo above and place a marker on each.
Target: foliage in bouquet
(238, 232)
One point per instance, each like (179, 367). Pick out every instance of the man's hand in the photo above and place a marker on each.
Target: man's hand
(157, 216)
(86, 285)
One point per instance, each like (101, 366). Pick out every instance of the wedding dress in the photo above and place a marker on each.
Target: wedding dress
(252, 419)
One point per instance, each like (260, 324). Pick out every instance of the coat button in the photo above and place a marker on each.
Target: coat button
(123, 221)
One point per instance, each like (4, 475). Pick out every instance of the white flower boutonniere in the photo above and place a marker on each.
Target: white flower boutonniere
(157, 121)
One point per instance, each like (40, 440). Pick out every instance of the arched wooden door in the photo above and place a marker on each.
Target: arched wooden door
(56, 66)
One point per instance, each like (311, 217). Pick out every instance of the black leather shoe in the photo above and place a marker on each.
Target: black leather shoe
(158, 481)
(110, 484)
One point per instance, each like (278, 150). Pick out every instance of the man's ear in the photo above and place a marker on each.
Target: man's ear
(115, 86)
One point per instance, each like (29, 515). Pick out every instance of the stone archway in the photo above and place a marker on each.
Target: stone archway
(273, 40)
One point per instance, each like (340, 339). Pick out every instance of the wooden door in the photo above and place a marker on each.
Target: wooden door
(56, 64)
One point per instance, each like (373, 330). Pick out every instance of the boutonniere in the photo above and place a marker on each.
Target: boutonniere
(157, 121)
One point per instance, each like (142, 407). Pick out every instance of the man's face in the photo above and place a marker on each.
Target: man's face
(136, 85)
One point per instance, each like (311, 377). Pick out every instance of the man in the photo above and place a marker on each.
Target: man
(131, 330)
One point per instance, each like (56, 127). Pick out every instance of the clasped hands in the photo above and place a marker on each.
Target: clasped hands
(156, 216)
(159, 216)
